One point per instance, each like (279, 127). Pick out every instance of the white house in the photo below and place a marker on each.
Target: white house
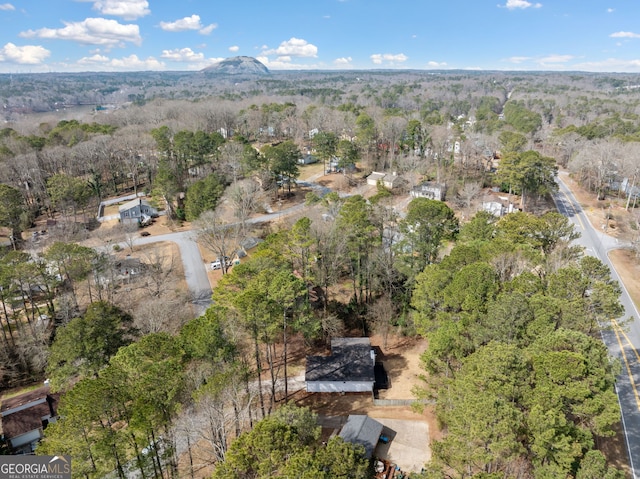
(430, 190)
(374, 177)
(497, 208)
(350, 368)
(388, 180)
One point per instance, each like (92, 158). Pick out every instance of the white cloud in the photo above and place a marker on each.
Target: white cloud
(127, 9)
(26, 55)
(7, 6)
(555, 59)
(609, 65)
(188, 23)
(392, 59)
(550, 61)
(295, 47)
(518, 60)
(204, 64)
(130, 63)
(625, 35)
(513, 4)
(91, 31)
(97, 58)
(433, 64)
(234, 48)
(343, 61)
(610, 10)
(182, 55)
(279, 64)
(208, 29)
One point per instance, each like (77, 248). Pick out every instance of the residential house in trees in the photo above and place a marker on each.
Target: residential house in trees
(135, 211)
(430, 190)
(25, 417)
(393, 181)
(388, 180)
(375, 177)
(494, 207)
(496, 204)
(307, 159)
(349, 368)
(333, 166)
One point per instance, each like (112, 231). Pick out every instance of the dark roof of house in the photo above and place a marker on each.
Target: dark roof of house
(360, 429)
(24, 413)
(350, 360)
(250, 242)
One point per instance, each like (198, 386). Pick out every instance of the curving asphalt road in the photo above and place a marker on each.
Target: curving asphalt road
(195, 270)
(623, 342)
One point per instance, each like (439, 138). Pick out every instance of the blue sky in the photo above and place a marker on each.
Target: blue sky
(133, 35)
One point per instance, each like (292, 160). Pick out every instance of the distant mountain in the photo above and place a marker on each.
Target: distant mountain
(237, 66)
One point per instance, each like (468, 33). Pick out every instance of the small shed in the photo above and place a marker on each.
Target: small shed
(134, 211)
(363, 430)
(349, 368)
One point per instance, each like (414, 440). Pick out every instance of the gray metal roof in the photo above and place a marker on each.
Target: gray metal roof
(361, 429)
(132, 204)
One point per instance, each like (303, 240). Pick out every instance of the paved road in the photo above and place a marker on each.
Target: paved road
(623, 342)
(194, 267)
(195, 271)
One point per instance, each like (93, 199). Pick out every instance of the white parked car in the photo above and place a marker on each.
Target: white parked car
(217, 264)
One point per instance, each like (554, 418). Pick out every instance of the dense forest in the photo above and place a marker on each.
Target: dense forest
(511, 309)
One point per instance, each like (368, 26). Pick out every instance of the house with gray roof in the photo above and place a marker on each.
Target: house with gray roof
(430, 190)
(136, 211)
(349, 368)
(363, 430)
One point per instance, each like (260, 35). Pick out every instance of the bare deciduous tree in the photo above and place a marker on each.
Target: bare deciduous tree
(246, 198)
(218, 236)
(159, 267)
(381, 314)
(466, 196)
(161, 315)
(332, 327)
(129, 232)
